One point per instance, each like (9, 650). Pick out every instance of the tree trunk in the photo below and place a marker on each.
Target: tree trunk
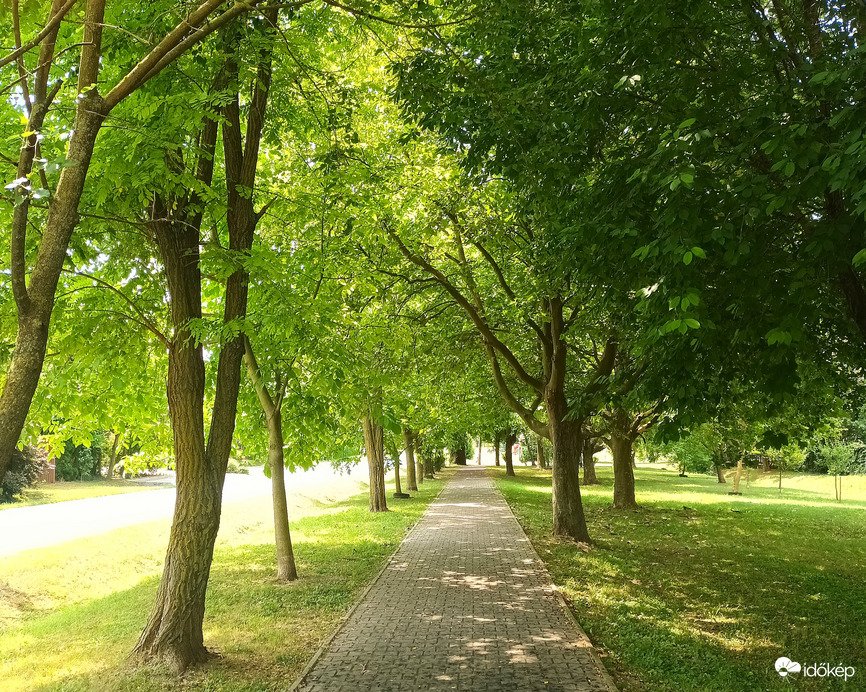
(34, 309)
(720, 473)
(765, 463)
(411, 471)
(589, 477)
(286, 568)
(542, 463)
(174, 629)
(460, 457)
(112, 457)
(496, 448)
(568, 517)
(480, 443)
(395, 454)
(509, 462)
(428, 467)
(374, 444)
(623, 473)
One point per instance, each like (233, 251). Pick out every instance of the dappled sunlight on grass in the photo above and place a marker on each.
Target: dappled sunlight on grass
(700, 590)
(265, 631)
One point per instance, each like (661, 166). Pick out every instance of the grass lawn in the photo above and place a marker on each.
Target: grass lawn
(703, 591)
(47, 493)
(70, 614)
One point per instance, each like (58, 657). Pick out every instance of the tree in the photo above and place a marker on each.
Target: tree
(173, 632)
(35, 300)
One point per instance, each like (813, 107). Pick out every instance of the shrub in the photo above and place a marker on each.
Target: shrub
(77, 463)
(23, 470)
(235, 467)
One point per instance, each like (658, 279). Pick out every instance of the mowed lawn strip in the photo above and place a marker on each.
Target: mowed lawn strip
(49, 493)
(703, 591)
(70, 614)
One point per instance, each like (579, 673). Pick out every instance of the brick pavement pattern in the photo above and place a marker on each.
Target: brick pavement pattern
(463, 605)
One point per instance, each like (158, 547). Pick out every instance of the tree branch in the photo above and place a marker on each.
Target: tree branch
(479, 322)
(50, 26)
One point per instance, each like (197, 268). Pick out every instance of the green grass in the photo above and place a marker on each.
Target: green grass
(70, 614)
(703, 591)
(47, 493)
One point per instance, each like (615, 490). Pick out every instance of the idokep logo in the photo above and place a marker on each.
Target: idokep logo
(785, 666)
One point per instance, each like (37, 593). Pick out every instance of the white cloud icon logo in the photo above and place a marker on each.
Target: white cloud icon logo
(786, 665)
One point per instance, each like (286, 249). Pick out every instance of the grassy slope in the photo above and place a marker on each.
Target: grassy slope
(47, 493)
(703, 591)
(70, 614)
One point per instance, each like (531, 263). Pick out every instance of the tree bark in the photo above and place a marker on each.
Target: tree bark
(112, 457)
(496, 448)
(480, 443)
(720, 473)
(374, 444)
(623, 473)
(286, 568)
(510, 438)
(428, 467)
(589, 450)
(411, 470)
(459, 456)
(566, 437)
(542, 463)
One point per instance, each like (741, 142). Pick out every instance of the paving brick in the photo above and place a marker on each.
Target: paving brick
(463, 605)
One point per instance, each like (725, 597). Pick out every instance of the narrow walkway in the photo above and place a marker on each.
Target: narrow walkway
(463, 605)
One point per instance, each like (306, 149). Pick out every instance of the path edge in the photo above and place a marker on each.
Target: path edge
(593, 654)
(342, 624)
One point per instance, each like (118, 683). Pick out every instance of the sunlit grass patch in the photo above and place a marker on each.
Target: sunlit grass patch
(700, 590)
(48, 493)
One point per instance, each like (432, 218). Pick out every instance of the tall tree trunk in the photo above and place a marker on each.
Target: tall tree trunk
(720, 473)
(480, 443)
(459, 456)
(510, 438)
(286, 568)
(589, 477)
(112, 457)
(173, 632)
(566, 437)
(411, 472)
(374, 444)
(36, 304)
(395, 455)
(623, 473)
(568, 516)
(539, 445)
(496, 448)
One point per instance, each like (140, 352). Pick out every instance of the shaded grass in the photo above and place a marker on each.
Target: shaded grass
(48, 493)
(73, 612)
(703, 591)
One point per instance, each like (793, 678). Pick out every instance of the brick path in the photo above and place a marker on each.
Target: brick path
(463, 605)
